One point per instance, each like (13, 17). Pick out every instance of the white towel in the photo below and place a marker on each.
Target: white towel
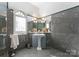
(14, 41)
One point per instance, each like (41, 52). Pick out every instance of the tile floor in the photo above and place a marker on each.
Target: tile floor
(43, 53)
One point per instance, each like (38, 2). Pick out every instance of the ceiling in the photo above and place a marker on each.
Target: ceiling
(41, 9)
(47, 8)
(26, 7)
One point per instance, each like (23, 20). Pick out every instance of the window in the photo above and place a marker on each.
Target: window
(20, 25)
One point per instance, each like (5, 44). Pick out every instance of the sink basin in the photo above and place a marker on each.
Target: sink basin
(38, 34)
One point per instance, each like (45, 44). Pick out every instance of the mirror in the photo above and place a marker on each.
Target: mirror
(39, 25)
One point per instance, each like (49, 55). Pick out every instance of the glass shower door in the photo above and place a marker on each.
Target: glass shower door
(3, 32)
(3, 28)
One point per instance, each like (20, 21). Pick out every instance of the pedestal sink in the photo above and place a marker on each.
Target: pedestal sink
(39, 36)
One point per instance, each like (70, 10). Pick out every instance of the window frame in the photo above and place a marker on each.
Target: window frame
(14, 24)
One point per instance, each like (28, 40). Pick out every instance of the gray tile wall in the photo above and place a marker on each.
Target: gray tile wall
(10, 21)
(23, 40)
(65, 30)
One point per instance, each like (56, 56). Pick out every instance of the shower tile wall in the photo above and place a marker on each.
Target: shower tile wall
(65, 30)
(10, 21)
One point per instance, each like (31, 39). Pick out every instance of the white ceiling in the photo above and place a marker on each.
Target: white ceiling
(40, 9)
(47, 8)
(26, 7)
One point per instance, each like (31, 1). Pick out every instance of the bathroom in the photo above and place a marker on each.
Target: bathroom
(39, 29)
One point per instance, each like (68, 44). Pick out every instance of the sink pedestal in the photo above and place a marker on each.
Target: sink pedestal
(39, 43)
(39, 36)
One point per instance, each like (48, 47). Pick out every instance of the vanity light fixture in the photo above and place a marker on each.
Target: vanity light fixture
(43, 18)
(34, 19)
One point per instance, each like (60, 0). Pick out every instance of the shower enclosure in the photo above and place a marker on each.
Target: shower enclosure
(3, 29)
